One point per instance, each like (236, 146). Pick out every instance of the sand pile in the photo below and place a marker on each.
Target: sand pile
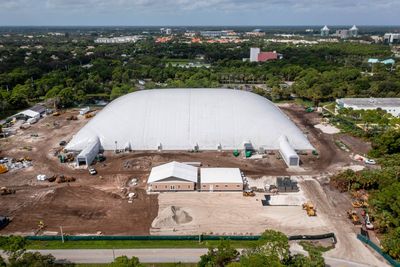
(172, 216)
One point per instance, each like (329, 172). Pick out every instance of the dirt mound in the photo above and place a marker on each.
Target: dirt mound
(172, 216)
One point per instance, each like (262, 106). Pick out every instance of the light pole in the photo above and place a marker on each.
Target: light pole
(62, 234)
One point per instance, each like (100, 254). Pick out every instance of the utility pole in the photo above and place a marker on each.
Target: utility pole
(62, 234)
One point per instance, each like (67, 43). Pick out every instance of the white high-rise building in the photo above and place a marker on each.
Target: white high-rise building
(391, 38)
(325, 31)
(254, 51)
(353, 32)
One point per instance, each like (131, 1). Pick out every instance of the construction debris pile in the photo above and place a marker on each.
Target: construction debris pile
(56, 178)
(6, 191)
(10, 164)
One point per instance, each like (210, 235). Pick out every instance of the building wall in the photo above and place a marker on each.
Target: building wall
(221, 186)
(395, 111)
(254, 51)
(172, 186)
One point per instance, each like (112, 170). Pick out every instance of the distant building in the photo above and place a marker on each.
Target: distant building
(214, 34)
(389, 61)
(390, 105)
(343, 33)
(347, 33)
(353, 32)
(255, 33)
(267, 56)
(118, 40)
(166, 31)
(325, 31)
(254, 51)
(190, 34)
(391, 38)
(257, 56)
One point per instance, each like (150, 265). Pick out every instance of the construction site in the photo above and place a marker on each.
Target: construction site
(45, 186)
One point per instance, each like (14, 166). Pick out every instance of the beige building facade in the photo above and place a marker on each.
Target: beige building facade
(221, 187)
(173, 176)
(221, 179)
(172, 186)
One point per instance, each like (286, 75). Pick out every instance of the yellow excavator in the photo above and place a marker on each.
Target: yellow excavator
(309, 207)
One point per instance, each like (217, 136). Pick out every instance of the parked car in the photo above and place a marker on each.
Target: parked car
(4, 221)
(92, 171)
(370, 162)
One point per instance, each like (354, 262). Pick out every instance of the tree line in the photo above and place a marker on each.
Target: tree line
(75, 73)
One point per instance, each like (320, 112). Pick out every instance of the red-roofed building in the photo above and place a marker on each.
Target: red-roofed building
(257, 56)
(266, 56)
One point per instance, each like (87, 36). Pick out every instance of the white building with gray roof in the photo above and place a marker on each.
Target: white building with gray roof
(390, 105)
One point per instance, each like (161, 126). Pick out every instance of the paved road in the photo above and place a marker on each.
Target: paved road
(151, 256)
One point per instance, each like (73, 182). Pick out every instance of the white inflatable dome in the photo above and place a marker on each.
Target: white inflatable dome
(181, 119)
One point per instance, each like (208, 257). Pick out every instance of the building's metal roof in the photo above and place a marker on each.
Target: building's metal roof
(354, 28)
(325, 28)
(286, 148)
(370, 102)
(173, 170)
(220, 175)
(181, 119)
(30, 113)
(38, 108)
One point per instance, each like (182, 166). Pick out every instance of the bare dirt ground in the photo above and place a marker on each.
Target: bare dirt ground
(98, 203)
(89, 205)
(331, 208)
(355, 144)
(231, 213)
(331, 156)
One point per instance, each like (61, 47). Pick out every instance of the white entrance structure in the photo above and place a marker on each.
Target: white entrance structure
(287, 152)
(89, 153)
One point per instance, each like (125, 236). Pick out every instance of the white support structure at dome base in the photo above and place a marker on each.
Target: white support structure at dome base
(89, 152)
(187, 119)
(287, 152)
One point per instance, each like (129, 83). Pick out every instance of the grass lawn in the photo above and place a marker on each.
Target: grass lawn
(123, 244)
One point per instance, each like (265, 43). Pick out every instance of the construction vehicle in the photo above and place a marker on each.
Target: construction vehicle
(309, 207)
(359, 204)
(72, 118)
(3, 168)
(360, 194)
(6, 191)
(309, 109)
(4, 221)
(248, 193)
(353, 216)
(40, 227)
(65, 179)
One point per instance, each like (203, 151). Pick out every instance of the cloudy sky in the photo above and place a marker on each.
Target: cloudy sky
(199, 12)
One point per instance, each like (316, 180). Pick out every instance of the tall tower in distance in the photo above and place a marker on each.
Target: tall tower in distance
(325, 31)
(353, 31)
